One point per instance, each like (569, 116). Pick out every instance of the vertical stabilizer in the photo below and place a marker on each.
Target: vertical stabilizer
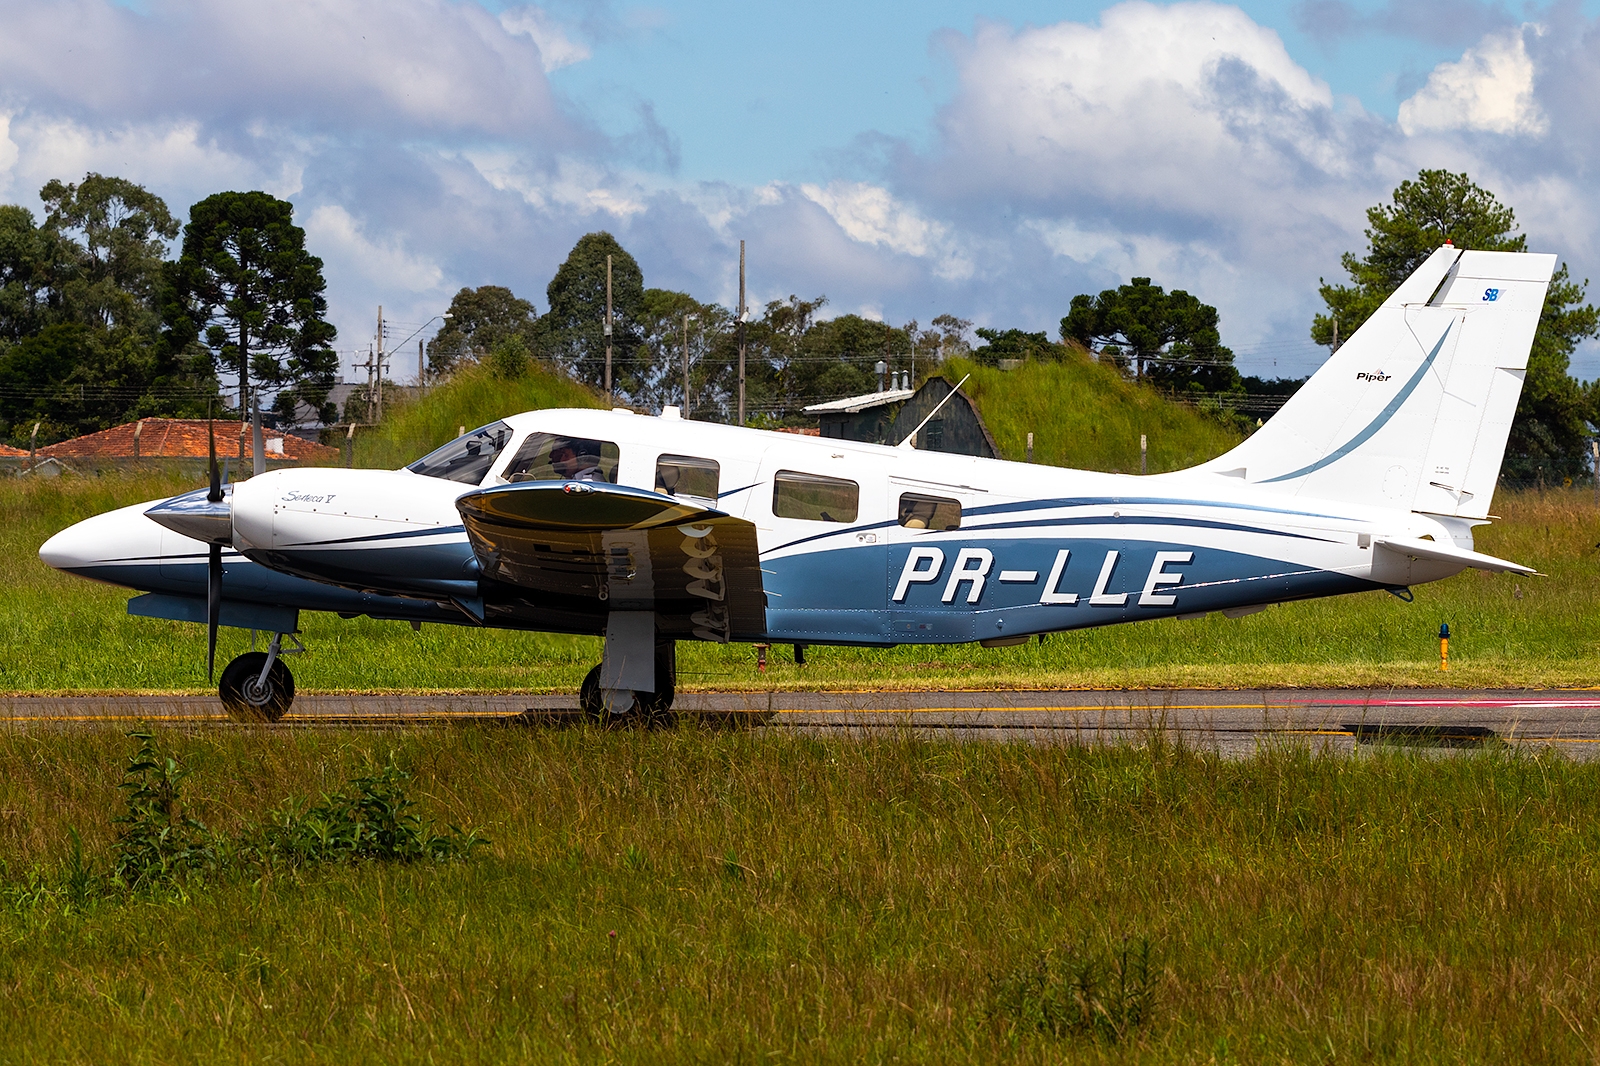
(1414, 410)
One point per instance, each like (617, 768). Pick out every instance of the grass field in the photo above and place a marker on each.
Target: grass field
(64, 634)
(752, 897)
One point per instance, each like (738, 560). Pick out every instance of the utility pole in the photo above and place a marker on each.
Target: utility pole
(370, 365)
(379, 417)
(686, 319)
(741, 332)
(244, 369)
(608, 325)
(422, 365)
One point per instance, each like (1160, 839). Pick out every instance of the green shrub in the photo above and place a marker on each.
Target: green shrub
(1102, 994)
(373, 821)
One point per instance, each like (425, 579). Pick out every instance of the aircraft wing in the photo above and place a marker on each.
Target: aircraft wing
(613, 548)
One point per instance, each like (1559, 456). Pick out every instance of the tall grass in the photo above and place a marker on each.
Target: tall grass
(1085, 414)
(752, 897)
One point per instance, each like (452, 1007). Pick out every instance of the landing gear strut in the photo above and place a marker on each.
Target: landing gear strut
(257, 686)
(645, 708)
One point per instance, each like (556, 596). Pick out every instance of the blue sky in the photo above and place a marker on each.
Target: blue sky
(905, 159)
(752, 93)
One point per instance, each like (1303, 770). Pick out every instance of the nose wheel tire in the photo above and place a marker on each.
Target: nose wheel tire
(248, 698)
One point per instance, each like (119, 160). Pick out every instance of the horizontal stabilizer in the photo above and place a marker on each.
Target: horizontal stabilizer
(1449, 553)
(601, 548)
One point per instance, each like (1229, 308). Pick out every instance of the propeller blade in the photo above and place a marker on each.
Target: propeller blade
(213, 608)
(257, 445)
(215, 495)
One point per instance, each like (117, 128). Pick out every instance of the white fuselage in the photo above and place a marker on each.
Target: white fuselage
(1032, 548)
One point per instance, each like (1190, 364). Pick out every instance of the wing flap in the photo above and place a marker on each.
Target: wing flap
(606, 548)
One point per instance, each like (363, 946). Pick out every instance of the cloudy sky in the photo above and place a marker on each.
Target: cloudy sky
(904, 158)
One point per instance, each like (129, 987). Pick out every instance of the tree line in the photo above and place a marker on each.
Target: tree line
(794, 356)
(101, 324)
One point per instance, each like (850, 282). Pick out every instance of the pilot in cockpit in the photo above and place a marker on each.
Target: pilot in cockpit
(577, 460)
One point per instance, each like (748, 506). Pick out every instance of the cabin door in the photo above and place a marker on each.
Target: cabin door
(931, 572)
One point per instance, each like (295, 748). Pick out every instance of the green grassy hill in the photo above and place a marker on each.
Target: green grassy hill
(1085, 414)
(471, 397)
(1082, 414)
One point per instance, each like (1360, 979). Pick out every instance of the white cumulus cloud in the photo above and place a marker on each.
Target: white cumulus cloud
(336, 235)
(871, 214)
(556, 48)
(1489, 89)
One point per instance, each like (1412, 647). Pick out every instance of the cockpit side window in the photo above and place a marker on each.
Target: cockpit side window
(558, 457)
(686, 475)
(466, 459)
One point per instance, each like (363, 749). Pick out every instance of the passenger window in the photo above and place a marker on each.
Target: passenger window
(929, 512)
(814, 498)
(466, 459)
(684, 475)
(557, 457)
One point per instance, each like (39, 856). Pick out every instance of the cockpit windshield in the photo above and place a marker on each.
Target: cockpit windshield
(466, 459)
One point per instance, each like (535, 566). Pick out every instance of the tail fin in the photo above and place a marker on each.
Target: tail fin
(1414, 410)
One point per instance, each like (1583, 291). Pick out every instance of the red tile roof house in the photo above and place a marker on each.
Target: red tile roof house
(183, 441)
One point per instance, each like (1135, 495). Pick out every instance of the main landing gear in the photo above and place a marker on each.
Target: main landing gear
(257, 686)
(619, 706)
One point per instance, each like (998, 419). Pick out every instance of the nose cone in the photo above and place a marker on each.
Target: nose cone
(73, 547)
(115, 540)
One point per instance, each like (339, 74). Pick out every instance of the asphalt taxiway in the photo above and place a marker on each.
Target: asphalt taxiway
(1232, 721)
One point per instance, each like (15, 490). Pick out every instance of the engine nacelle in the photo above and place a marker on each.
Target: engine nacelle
(377, 531)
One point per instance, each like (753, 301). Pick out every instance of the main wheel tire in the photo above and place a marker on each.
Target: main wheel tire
(246, 699)
(647, 708)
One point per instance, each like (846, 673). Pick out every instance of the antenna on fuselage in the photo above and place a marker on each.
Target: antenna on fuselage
(911, 441)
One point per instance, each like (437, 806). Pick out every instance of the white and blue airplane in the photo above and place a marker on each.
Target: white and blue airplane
(652, 530)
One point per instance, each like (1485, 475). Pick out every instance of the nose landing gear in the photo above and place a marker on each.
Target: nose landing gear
(257, 686)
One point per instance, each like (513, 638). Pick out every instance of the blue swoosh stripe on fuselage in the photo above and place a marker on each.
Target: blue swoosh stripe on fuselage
(1377, 423)
(1145, 501)
(1154, 520)
(404, 534)
(1140, 520)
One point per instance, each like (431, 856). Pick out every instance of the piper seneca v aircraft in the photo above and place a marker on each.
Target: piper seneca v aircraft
(649, 531)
